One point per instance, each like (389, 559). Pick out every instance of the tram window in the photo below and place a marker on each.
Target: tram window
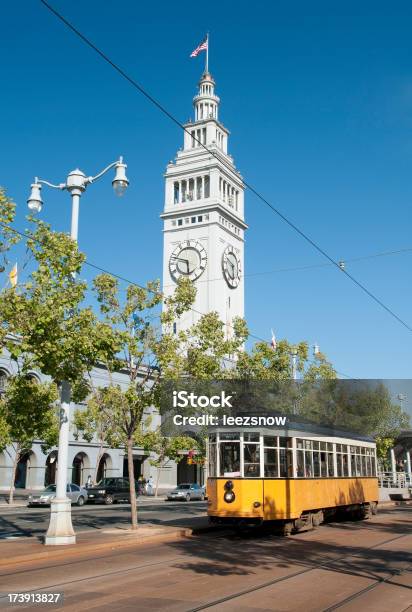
(373, 466)
(315, 445)
(345, 465)
(358, 465)
(230, 436)
(212, 438)
(271, 463)
(299, 443)
(308, 443)
(322, 445)
(229, 458)
(308, 464)
(212, 460)
(316, 465)
(285, 442)
(344, 448)
(323, 464)
(339, 464)
(270, 441)
(363, 465)
(331, 471)
(251, 454)
(353, 465)
(285, 463)
(251, 437)
(339, 448)
(368, 466)
(300, 468)
(330, 447)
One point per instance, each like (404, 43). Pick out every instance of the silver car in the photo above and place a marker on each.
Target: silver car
(187, 492)
(76, 494)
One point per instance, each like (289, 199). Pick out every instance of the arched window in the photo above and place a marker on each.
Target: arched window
(3, 381)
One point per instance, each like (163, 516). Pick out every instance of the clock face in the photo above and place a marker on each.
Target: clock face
(188, 259)
(231, 267)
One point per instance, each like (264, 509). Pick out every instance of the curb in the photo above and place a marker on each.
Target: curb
(77, 550)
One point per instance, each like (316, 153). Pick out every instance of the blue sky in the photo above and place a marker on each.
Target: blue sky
(318, 99)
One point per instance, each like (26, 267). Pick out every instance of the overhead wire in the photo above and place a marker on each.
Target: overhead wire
(220, 157)
(130, 282)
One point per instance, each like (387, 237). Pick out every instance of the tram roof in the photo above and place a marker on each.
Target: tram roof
(298, 429)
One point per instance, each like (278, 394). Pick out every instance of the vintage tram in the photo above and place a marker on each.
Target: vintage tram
(293, 479)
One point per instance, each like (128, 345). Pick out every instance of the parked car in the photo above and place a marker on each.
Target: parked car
(187, 492)
(110, 490)
(205, 491)
(76, 494)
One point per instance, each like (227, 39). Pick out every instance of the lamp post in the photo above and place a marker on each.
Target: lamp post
(60, 529)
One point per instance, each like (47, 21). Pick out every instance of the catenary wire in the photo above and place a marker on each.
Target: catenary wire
(275, 210)
(126, 280)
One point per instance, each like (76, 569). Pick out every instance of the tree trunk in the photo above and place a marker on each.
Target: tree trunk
(99, 456)
(13, 475)
(157, 479)
(132, 485)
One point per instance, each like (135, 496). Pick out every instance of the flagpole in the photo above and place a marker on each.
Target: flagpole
(207, 53)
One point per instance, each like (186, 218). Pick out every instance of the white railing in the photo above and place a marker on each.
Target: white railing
(400, 480)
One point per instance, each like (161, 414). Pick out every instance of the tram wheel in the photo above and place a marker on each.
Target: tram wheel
(287, 528)
(317, 518)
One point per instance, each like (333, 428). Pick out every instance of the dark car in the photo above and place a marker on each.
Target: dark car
(110, 490)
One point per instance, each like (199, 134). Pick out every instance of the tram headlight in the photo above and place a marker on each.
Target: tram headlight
(229, 497)
(228, 485)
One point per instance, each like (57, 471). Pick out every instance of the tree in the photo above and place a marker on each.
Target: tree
(265, 363)
(27, 412)
(145, 351)
(166, 449)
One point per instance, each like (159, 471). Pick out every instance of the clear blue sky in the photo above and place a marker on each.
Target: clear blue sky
(318, 100)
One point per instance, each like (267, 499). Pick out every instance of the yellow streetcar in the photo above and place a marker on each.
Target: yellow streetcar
(295, 478)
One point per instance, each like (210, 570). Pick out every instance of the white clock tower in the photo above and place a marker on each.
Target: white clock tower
(204, 216)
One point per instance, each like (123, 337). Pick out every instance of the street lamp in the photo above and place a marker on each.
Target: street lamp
(60, 529)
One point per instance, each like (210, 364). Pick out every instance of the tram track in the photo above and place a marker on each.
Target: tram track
(216, 602)
(269, 583)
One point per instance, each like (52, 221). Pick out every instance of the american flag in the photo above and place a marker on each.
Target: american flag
(202, 47)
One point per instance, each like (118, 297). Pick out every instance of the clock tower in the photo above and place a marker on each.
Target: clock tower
(203, 217)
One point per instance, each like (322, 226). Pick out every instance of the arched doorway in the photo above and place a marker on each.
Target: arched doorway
(51, 468)
(26, 463)
(105, 467)
(81, 464)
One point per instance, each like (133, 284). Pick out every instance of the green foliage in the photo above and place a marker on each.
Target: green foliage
(264, 363)
(383, 446)
(167, 448)
(28, 412)
(54, 332)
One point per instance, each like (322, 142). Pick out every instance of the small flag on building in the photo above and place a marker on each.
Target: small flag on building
(273, 341)
(13, 275)
(202, 47)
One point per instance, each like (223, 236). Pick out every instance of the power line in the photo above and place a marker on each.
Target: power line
(126, 280)
(276, 211)
(122, 278)
(309, 267)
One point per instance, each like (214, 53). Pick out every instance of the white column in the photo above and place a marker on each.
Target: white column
(408, 463)
(60, 529)
(393, 465)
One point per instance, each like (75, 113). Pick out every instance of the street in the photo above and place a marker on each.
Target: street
(349, 566)
(26, 522)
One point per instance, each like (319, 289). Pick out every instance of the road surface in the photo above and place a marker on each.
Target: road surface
(24, 522)
(346, 566)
